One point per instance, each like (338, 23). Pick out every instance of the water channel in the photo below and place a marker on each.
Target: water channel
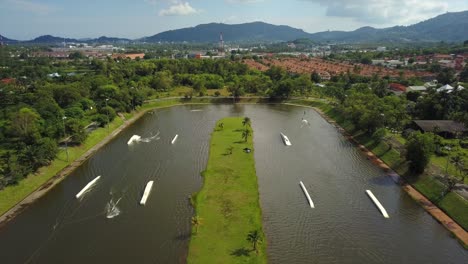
(344, 227)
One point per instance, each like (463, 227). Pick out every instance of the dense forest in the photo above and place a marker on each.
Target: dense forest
(40, 111)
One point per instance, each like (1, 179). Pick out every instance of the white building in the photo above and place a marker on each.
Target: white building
(416, 89)
(446, 88)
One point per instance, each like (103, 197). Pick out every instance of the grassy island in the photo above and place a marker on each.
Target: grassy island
(227, 227)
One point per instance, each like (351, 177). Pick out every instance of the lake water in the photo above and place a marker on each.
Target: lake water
(344, 227)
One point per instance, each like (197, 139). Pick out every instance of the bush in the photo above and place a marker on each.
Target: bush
(101, 120)
(379, 134)
(74, 112)
(108, 111)
(217, 93)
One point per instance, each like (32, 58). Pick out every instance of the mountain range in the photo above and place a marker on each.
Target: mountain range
(251, 32)
(448, 27)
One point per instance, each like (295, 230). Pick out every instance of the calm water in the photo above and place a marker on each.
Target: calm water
(345, 226)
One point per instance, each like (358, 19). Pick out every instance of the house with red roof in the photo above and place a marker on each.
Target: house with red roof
(8, 80)
(396, 87)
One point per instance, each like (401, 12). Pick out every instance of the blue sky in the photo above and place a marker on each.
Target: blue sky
(26, 19)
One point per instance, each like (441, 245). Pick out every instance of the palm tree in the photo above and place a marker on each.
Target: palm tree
(229, 150)
(196, 222)
(255, 238)
(245, 134)
(458, 162)
(451, 183)
(246, 121)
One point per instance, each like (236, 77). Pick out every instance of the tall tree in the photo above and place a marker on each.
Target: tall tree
(246, 121)
(419, 149)
(254, 238)
(315, 77)
(246, 134)
(26, 123)
(196, 222)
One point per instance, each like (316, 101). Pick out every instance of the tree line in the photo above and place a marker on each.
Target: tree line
(39, 112)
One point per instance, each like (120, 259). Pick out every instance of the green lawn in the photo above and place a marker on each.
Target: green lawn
(228, 204)
(429, 187)
(454, 203)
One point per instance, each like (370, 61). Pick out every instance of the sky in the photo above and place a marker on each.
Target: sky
(27, 19)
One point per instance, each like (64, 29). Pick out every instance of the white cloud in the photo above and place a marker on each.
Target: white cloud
(30, 6)
(178, 9)
(384, 11)
(243, 1)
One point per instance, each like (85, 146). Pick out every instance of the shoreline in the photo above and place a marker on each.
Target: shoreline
(150, 105)
(63, 173)
(439, 215)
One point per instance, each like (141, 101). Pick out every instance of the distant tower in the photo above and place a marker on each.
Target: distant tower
(221, 45)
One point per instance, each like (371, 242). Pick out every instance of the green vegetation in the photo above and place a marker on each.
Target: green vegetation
(34, 130)
(420, 148)
(13, 194)
(230, 230)
(457, 206)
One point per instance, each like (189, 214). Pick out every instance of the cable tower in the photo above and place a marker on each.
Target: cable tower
(221, 44)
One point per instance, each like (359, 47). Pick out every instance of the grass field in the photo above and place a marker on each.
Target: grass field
(227, 207)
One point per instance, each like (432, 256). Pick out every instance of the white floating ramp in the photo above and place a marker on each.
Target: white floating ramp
(307, 195)
(86, 188)
(285, 139)
(146, 193)
(174, 140)
(377, 203)
(134, 138)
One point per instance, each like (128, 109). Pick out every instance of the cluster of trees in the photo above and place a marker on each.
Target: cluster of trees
(370, 107)
(36, 117)
(39, 113)
(442, 106)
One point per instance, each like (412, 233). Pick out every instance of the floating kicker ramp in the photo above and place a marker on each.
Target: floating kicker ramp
(174, 139)
(377, 203)
(87, 187)
(146, 193)
(307, 195)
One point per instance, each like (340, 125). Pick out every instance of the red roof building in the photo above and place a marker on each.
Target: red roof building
(132, 56)
(397, 87)
(7, 80)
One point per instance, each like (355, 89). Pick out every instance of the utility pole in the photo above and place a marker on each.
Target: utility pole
(65, 134)
(107, 113)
